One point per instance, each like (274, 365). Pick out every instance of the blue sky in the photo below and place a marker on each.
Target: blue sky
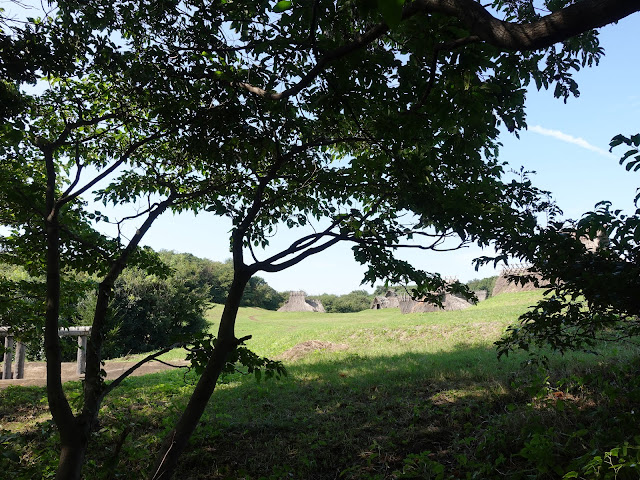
(566, 144)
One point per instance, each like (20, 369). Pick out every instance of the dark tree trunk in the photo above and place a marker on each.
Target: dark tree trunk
(73, 441)
(176, 441)
(93, 384)
(72, 455)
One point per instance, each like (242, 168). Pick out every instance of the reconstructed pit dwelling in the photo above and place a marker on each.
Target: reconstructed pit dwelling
(299, 303)
(408, 304)
(389, 300)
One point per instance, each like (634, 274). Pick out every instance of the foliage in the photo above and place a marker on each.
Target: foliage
(593, 292)
(149, 313)
(355, 301)
(21, 305)
(486, 284)
(293, 116)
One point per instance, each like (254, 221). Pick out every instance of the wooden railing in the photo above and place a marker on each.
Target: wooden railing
(81, 332)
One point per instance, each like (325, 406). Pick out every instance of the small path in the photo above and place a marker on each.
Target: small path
(253, 319)
(35, 372)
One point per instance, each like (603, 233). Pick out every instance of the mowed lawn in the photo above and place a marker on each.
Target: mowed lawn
(390, 396)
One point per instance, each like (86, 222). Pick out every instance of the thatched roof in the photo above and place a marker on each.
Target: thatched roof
(390, 300)
(299, 303)
(449, 303)
(481, 294)
(506, 284)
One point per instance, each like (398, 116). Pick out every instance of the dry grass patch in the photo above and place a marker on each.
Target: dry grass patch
(303, 349)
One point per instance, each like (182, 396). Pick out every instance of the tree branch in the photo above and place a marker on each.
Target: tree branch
(270, 268)
(568, 22)
(123, 159)
(128, 372)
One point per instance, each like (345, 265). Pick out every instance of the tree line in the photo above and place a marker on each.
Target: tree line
(151, 311)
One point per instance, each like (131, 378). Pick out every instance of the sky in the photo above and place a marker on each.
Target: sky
(565, 144)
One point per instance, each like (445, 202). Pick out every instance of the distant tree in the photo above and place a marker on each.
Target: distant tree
(380, 290)
(259, 294)
(216, 278)
(356, 301)
(486, 284)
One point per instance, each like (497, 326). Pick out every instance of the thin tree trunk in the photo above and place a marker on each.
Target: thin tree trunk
(72, 455)
(176, 441)
(73, 441)
(93, 384)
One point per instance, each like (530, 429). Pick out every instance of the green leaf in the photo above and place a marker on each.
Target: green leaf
(391, 11)
(282, 6)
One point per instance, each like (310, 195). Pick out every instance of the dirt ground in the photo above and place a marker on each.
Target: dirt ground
(34, 372)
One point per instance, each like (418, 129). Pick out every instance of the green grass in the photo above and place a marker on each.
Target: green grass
(412, 396)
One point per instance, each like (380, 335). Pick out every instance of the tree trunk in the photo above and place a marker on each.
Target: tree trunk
(176, 441)
(73, 441)
(72, 455)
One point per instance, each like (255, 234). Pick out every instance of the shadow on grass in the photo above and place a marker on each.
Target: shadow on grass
(343, 415)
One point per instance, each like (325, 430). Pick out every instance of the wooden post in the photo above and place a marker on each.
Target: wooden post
(20, 351)
(8, 353)
(82, 332)
(82, 354)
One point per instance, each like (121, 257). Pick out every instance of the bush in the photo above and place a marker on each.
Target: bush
(355, 301)
(148, 313)
(483, 284)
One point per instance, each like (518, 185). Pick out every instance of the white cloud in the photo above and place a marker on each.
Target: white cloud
(564, 137)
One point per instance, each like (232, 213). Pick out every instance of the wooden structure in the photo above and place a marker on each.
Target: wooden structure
(299, 303)
(81, 332)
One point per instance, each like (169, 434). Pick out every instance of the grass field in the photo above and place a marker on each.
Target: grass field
(418, 396)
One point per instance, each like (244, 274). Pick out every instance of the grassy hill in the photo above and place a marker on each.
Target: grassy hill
(390, 396)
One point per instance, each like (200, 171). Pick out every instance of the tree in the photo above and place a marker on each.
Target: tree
(356, 301)
(592, 294)
(78, 128)
(149, 313)
(286, 117)
(485, 284)
(216, 278)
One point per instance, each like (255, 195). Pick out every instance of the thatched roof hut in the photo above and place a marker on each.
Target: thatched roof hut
(481, 294)
(508, 281)
(449, 303)
(299, 303)
(390, 300)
